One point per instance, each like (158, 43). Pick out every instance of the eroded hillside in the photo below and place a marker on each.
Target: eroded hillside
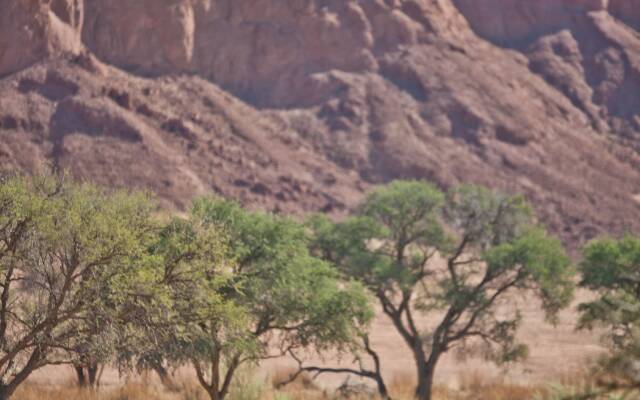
(300, 105)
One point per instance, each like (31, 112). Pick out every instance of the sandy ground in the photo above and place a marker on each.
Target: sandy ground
(554, 351)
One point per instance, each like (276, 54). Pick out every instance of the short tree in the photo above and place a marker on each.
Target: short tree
(61, 244)
(176, 312)
(238, 284)
(457, 257)
(611, 268)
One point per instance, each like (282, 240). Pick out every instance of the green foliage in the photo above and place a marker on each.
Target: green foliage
(280, 284)
(459, 255)
(611, 268)
(612, 265)
(407, 212)
(179, 312)
(485, 218)
(227, 286)
(395, 232)
(541, 264)
(87, 275)
(62, 248)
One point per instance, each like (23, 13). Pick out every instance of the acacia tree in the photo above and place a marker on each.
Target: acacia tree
(100, 327)
(234, 284)
(611, 268)
(60, 245)
(177, 312)
(457, 257)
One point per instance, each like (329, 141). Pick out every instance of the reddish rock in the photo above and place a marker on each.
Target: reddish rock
(31, 30)
(301, 105)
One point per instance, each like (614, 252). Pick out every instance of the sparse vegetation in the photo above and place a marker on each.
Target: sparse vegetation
(90, 278)
(228, 286)
(489, 247)
(63, 248)
(249, 387)
(611, 268)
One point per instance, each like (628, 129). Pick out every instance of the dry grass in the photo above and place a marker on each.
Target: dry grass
(126, 392)
(473, 385)
(402, 386)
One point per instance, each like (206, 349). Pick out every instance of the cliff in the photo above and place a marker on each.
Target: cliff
(300, 105)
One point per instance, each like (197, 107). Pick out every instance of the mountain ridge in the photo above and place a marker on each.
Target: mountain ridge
(301, 105)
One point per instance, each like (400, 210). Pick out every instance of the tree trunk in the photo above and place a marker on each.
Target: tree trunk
(92, 373)
(7, 389)
(425, 386)
(5, 392)
(377, 373)
(87, 375)
(215, 395)
(382, 388)
(426, 372)
(82, 380)
(212, 388)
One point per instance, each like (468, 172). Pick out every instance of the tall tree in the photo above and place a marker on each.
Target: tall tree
(611, 268)
(61, 244)
(457, 257)
(238, 284)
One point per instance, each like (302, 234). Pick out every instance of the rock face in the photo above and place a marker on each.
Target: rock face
(265, 51)
(300, 105)
(31, 30)
(254, 48)
(589, 50)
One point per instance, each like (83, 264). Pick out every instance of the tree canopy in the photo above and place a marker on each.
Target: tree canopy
(238, 283)
(611, 268)
(457, 256)
(90, 276)
(62, 246)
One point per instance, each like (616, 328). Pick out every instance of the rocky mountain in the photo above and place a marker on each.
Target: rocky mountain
(300, 105)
